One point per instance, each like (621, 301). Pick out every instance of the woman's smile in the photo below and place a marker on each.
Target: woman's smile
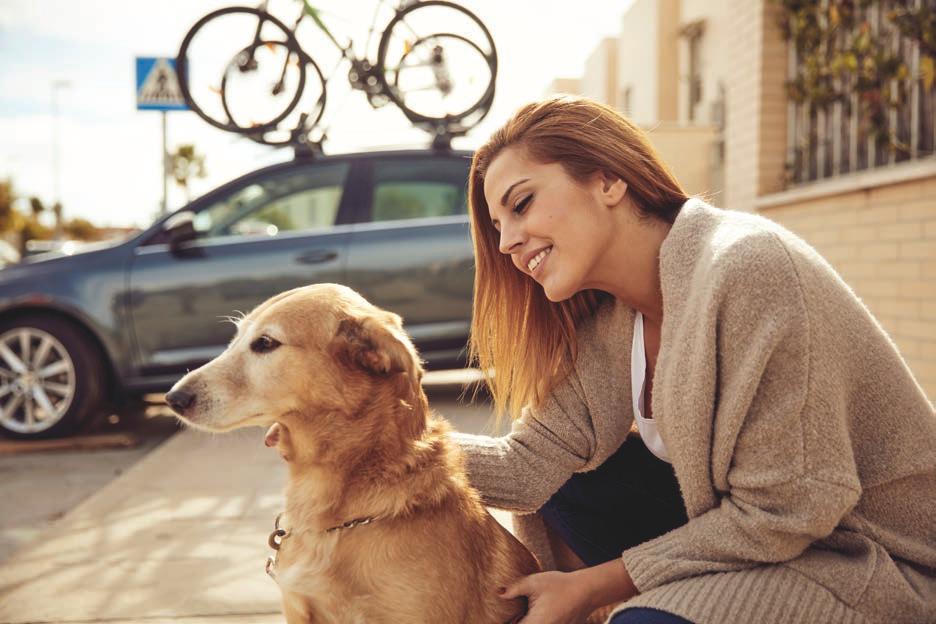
(534, 264)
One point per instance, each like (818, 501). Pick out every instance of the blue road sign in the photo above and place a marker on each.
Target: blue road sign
(157, 85)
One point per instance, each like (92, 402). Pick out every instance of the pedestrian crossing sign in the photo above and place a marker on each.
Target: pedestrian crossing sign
(157, 85)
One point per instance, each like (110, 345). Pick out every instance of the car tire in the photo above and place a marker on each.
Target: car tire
(55, 386)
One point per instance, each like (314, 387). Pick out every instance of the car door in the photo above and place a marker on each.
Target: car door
(412, 251)
(269, 234)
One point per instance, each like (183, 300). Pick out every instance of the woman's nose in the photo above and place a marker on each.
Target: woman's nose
(510, 239)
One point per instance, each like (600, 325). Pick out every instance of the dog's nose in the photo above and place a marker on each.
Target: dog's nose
(180, 400)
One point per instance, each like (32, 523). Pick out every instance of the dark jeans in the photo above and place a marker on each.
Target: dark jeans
(631, 498)
(643, 615)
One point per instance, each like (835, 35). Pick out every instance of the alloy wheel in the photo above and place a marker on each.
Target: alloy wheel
(37, 380)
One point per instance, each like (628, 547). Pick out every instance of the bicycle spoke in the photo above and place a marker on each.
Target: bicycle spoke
(427, 88)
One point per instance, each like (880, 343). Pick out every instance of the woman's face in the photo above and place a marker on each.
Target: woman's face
(554, 228)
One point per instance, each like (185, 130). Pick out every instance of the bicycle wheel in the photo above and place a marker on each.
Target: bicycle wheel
(298, 127)
(264, 79)
(438, 78)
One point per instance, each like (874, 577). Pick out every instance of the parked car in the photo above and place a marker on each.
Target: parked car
(130, 318)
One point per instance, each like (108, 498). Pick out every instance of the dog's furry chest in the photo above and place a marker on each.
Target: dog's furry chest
(306, 570)
(304, 562)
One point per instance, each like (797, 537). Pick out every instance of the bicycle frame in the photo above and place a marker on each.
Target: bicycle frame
(347, 51)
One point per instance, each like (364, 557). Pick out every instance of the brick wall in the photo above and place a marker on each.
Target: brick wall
(882, 240)
(772, 116)
(742, 103)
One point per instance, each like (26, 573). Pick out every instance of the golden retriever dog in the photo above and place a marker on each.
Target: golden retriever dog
(380, 524)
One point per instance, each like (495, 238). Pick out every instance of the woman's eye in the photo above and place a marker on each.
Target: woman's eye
(264, 344)
(522, 204)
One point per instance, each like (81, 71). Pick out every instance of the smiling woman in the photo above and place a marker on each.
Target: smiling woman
(709, 425)
(534, 169)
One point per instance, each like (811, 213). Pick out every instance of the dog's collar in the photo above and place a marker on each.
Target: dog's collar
(279, 534)
(350, 524)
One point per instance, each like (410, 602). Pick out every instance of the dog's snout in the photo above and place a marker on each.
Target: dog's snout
(180, 400)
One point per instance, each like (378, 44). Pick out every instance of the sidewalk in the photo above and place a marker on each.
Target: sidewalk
(180, 537)
(180, 534)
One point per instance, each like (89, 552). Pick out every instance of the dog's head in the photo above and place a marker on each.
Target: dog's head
(310, 359)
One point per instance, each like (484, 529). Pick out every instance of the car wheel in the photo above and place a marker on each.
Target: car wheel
(50, 377)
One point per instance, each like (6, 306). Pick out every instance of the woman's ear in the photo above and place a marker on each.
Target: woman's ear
(613, 188)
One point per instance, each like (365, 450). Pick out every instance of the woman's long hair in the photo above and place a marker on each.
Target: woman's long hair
(523, 343)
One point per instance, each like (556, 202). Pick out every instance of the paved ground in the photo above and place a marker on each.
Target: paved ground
(180, 536)
(46, 485)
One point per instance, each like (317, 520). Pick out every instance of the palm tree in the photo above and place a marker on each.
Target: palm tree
(184, 164)
(7, 197)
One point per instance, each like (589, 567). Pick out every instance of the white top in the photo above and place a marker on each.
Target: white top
(646, 426)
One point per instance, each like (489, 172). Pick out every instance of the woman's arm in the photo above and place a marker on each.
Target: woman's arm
(520, 471)
(605, 584)
(582, 421)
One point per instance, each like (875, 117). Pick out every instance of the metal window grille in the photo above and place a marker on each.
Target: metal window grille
(825, 141)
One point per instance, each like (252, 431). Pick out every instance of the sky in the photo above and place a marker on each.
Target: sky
(110, 153)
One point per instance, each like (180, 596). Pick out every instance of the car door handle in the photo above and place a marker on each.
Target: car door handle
(317, 256)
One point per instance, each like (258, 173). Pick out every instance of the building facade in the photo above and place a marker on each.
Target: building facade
(709, 81)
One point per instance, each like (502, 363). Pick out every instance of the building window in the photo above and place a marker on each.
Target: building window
(625, 100)
(692, 33)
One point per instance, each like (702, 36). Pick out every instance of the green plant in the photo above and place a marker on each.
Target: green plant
(839, 53)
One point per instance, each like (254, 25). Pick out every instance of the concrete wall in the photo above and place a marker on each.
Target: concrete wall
(600, 80)
(881, 237)
(668, 60)
(714, 60)
(755, 131)
(637, 62)
(688, 152)
(572, 86)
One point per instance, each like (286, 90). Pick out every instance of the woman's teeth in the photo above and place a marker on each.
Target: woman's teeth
(537, 259)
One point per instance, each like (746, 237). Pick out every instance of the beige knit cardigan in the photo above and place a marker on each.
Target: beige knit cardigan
(804, 449)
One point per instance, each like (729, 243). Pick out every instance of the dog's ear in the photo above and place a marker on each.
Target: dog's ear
(376, 344)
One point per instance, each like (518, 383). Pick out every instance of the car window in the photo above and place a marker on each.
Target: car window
(419, 188)
(296, 200)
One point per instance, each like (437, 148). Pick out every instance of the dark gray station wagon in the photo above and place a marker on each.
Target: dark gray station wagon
(131, 318)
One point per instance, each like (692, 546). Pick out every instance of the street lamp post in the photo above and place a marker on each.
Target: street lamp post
(56, 164)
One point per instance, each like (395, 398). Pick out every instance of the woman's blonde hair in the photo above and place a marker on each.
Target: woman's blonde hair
(523, 343)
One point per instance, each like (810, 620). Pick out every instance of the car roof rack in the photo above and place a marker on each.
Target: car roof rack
(307, 150)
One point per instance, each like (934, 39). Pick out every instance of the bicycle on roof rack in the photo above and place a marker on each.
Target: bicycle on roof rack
(435, 61)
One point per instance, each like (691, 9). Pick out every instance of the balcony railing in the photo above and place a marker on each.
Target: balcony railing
(854, 119)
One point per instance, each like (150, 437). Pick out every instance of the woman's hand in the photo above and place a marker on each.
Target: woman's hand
(570, 597)
(554, 598)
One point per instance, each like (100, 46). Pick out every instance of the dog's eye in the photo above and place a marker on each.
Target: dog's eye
(263, 344)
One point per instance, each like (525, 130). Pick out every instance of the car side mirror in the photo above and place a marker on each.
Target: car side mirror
(179, 228)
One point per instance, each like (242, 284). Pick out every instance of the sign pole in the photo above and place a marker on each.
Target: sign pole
(157, 88)
(165, 148)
